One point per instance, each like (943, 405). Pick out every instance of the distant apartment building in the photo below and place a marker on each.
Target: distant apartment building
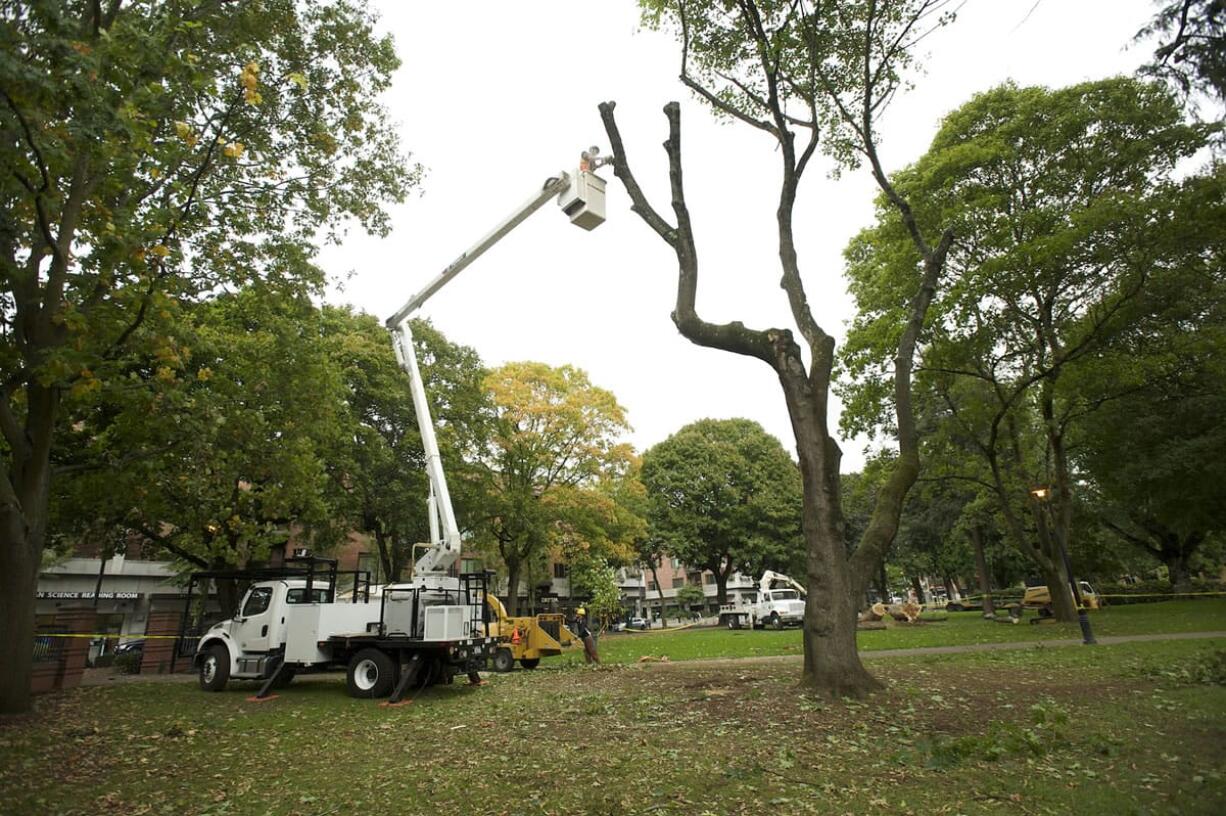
(672, 575)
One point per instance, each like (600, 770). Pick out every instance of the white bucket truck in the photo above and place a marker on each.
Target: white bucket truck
(774, 606)
(422, 631)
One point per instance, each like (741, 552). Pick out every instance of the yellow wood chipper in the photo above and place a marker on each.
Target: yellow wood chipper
(527, 638)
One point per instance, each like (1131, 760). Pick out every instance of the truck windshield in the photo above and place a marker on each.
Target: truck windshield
(299, 596)
(785, 595)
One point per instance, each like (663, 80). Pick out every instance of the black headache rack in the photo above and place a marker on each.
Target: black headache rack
(317, 572)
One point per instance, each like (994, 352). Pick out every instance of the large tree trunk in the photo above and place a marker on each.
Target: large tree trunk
(832, 662)
(25, 487)
(1062, 603)
(514, 570)
(18, 583)
(1176, 552)
(981, 569)
(1177, 570)
(229, 593)
(1050, 559)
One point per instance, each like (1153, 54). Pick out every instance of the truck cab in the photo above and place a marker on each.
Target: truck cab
(256, 637)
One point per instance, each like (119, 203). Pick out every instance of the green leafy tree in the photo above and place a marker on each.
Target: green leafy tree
(1155, 452)
(805, 76)
(724, 496)
(225, 445)
(553, 470)
(385, 463)
(594, 580)
(690, 596)
(1054, 257)
(156, 151)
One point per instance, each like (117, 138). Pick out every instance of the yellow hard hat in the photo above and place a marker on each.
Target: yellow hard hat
(580, 611)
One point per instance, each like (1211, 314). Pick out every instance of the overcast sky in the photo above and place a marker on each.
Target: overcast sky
(495, 97)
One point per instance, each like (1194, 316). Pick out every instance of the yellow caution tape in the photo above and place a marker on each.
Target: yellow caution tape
(104, 636)
(659, 631)
(1157, 594)
(969, 598)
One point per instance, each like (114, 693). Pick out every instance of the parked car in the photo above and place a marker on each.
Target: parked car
(638, 623)
(131, 647)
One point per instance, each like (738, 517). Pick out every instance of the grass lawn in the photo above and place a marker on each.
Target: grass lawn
(956, 629)
(1124, 729)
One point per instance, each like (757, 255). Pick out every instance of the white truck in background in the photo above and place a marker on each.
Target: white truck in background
(780, 602)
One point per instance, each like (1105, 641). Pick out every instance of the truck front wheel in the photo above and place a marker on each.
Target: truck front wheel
(215, 668)
(372, 673)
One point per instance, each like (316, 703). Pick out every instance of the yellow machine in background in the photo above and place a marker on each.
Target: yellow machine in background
(1040, 596)
(527, 638)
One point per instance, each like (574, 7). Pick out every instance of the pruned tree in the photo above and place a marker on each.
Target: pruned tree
(805, 75)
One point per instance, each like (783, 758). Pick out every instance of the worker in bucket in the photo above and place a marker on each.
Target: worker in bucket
(585, 634)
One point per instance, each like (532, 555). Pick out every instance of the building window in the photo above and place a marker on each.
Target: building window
(694, 578)
(559, 570)
(651, 586)
(679, 581)
(676, 563)
(709, 578)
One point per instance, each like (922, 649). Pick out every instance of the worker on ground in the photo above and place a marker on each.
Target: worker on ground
(585, 634)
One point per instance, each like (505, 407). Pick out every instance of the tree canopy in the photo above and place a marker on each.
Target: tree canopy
(1068, 219)
(554, 470)
(154, 152)
(384, 461)
(724, 495)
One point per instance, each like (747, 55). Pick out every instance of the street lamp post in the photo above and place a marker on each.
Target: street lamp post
(1042, 495)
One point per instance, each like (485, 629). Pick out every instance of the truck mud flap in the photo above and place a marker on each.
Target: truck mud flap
(408, 675)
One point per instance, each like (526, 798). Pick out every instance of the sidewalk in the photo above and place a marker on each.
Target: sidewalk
(939, 650)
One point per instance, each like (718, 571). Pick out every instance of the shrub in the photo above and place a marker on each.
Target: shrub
(128, 662)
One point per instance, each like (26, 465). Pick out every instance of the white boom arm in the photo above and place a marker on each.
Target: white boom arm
(769, 578)
(552, 187)
(585, 212)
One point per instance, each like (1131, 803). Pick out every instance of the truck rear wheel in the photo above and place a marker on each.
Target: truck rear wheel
(215, 668)
(503, 661)
(372, 673)
(529, 662)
